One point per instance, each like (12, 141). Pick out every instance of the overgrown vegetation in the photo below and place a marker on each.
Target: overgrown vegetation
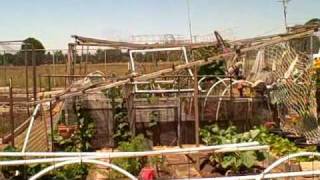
(20, 172)
(245, 161)
(80, 141)
(133, 165)
(231, 162)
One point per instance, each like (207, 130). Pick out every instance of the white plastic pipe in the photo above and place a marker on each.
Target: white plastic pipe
(225, 91)
(101, 156)
(55, 166)
(281, 160)
(33, 116)
(132, 65)
(267, 176)
(213, 86)
(191, 150)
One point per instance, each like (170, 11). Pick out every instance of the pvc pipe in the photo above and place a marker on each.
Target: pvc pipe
(191, 150)
(102, 156)
(165, 91)
(224, 92)
(267, 176)
(283, 159)
(236, 149)
(35, 111)
(132, 65)
(213, 86)
(112, 166)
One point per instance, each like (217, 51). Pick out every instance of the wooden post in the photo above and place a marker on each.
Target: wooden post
(85, 65)
(54, 68)
(81, 60)
(5, 66)
(196, 106)
(51, 116)
(129, 103)
(230, 103)
(27, 79)
(34, 74)
(179, 114)
(11, 112)
(70, 67)
(105, 62)
(40, 84)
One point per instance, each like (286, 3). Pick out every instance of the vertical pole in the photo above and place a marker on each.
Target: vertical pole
(27, 78)
(40, 84)
(87, 57)
(34, 74)
(51, 116)
(81, 60)
(11, 112)
(130, 98)
(105, 62)
(70, 67)
(196, 106)
(230, 101)
(179, 114)
(5, 66)
(54, 68)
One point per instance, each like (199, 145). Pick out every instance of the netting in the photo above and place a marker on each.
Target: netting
(287, 71)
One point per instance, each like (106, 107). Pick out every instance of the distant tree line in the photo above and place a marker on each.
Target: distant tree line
(42, 56)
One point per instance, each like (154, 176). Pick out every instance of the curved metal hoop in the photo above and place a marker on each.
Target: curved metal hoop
(91, 161)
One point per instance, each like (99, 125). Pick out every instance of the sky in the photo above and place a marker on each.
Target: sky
(54, 21)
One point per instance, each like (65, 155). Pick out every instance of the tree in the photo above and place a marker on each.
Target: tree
(314, 21)
(39, 50)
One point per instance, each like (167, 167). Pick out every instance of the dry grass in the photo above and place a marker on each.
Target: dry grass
(17, 73)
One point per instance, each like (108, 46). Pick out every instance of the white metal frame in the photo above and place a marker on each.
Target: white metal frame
(91, 161)
(133, 69)
(266, 173)
(33, 117)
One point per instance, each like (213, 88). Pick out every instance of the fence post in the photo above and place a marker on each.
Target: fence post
(34, 74)
(196, 106)
(27, 79)
(11, 112)
(51, 116)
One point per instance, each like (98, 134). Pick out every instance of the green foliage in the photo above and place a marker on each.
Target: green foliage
(19, 172)
(215, 68)
(80, 141)
(122, 126)
(74, 171)
(234, 161)
(120, 116)
(279, 146)
(39, 53)
(132, 165)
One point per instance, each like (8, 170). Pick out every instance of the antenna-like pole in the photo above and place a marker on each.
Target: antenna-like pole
(189, 20)
(285, 5)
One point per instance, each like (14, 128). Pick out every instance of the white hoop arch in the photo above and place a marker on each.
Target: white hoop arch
(283, 159)
(91, 161)
(213, 86)
(226, 89)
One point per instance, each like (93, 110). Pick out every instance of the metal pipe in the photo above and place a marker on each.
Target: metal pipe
(80, 160)
(191, 150)
(30, 127)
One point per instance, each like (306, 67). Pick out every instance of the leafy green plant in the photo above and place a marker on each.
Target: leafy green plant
(20, 171)
(132, 165)
(279, 146)
(231, 161)
(122, 126)
(80, 141)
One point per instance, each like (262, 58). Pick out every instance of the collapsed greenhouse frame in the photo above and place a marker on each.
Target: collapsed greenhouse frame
(144, 77)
